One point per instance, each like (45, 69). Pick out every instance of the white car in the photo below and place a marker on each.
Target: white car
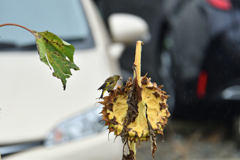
(38, 120)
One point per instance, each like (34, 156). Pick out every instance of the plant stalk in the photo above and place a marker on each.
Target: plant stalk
(13, 24)
(133, 148)
(137, 62)
(137, 74)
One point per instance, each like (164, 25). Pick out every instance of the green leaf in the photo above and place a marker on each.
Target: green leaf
(57, 54)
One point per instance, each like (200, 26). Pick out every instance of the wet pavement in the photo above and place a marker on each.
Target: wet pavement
(191, 140)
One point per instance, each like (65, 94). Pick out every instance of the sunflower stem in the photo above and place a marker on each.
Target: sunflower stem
(137, 62)
(136, 74)
(133, 148)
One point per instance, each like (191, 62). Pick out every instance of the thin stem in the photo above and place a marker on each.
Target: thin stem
(136, 74)
(137, 62)
(133, 148)
(13, 24)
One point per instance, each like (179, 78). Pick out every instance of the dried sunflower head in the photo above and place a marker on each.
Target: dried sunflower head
(136, 113)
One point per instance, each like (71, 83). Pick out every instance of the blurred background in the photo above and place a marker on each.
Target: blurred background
(193, 51)
(192, 47)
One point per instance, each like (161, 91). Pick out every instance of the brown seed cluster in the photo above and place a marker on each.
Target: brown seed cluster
(136, 113)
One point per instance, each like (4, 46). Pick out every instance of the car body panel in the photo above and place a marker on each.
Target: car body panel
(90, 148)
(30, 92)
(33, 101)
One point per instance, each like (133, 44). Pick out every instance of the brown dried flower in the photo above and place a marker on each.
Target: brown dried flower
(137, 111)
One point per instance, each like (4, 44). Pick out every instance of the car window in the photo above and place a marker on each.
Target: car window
(63, 18)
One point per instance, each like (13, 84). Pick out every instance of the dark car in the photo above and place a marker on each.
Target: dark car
(200, 58)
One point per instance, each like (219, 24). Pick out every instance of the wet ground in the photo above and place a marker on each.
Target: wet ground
(191, 140)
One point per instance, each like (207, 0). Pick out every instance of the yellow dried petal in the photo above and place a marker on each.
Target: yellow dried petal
(120, 109)
(110, 114)
(140, 124)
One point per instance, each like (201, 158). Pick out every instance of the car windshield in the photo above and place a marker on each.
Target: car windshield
(63, 18)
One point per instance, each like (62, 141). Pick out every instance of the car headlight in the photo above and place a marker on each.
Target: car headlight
(79, 126)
